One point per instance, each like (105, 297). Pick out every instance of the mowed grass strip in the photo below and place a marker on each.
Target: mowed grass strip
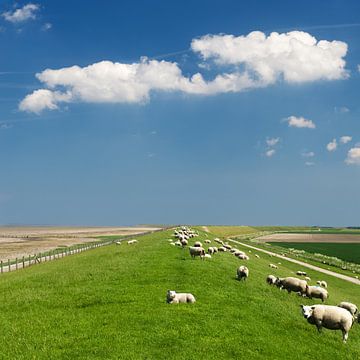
(109, 303)
(346, 251)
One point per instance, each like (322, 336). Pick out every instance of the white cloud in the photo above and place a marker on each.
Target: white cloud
(353, 156)
(27, 12)
(272, 141)
(342, 109)
(308, 154)
(300, 122)
(309, 163)
(270, 153)
(332, 145)
(295, 56)
(47, 26)
(345, 139)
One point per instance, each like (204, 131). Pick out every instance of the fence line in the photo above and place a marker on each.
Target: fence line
(59, 253)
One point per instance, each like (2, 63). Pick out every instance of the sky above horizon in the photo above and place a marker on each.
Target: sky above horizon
(205, 112)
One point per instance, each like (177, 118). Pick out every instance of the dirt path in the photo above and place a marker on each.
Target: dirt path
(313, 267)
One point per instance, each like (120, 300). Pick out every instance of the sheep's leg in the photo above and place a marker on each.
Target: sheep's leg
(345, 335)
(318, 325)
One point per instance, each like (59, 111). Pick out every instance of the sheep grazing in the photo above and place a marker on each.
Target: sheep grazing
(257, 256)
(184, 242)
(173, 244)
(207, 241)
(233, 250)
(118, 242)
(215, 249)
(316, 292)
(172, 297)
(352, 308)
(322, 283)
(271, 279)
(301, 273)
(243, 257)
(196, 251)
(178, 243)
(292, 284)
(222, 249)
(197, 244)
(130, 242)
(329, 317)
(218, 241)
(210, 250)
(227, 246)
(242, 273)
(206, 256)
(273, 266)
(307, 278)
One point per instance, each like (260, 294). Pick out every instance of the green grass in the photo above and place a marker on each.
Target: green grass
(226, 231)
(109, 303)
(307, 230)
(346, 251)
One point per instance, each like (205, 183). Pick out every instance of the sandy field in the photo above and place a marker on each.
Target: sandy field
(315, 238)
(24, 241)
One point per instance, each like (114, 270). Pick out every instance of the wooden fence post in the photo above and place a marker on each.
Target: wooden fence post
(1, 264)
(23, 261)
(16, 262)
(29, 260)
(9, 265)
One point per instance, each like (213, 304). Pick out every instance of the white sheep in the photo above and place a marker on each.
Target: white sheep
(207, 241)
(292, 284)
(205, 256)
(257, 256)
(242, 272)
(172, 297)
(196, 251)
(307, 278)
(118, 242)
(130, 242)
(227, 246)
(197, 244)
(316, 292)
(350, 307)
(215, 249)
(184, 242)
(210, 250)
(243, 257)
(329, 317)
(273, 266)
(301, 273)
(222, 249)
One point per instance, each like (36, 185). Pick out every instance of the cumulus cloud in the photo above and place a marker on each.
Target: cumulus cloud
(300, 122)
(353, 156)
(270, 152)
(345, 139)
(251, 61)
(308, 154)
(272, 141)
(27, 12)
(332, 145)
(295, 56)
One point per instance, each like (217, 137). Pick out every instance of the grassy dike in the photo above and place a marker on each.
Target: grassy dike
(109, 303)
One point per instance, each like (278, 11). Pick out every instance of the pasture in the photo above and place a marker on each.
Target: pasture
(344, 251)
(109, 303)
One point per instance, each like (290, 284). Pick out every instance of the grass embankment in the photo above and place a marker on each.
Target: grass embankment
(226, 231)
(346, 251)
(109, 303)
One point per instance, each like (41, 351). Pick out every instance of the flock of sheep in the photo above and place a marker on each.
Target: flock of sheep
(340, 317)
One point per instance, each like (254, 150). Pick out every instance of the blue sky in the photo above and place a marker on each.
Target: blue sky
(268, 131)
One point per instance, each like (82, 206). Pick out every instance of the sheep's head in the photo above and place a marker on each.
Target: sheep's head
(307, 311)
(171, 294)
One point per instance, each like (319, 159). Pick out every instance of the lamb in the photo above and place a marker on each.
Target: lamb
(233, 250)
(218, 241)
(292, 284)
(210, 250)
(205, 256)
(352, 308)
(243, 257)
(196, 251)
(197, 244)
(257, 256)
(273, 266)
(184, 242)
(242, 273)
(316, 292)
(271, 279)
(322, 283)
(207, 241)
(130, 242)
(330, 317)
(301, 273)
(175, 298)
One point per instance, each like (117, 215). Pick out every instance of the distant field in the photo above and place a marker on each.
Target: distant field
(225, 231)
(308, 230)
(348, 251)
(306, 238)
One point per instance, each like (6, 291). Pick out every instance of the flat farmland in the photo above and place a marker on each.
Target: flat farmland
(308, 238)
(16, 242)
(345, 251)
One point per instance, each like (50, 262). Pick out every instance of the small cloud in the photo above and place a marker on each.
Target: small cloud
(309, 163)
(150, 155)
(341, 109)
(308, 154)
(300, 122)
(27, 12)
(270, 153)
(332, 145)
(272, 141)
(46, 27)
(5, 126)
(353, 156)
(154, 132)
(345, 139)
